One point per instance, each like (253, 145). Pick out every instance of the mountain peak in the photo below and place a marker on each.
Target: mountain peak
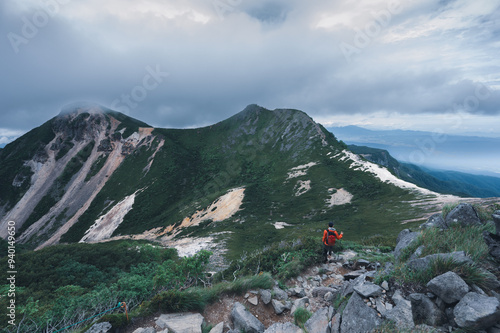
(82, 107)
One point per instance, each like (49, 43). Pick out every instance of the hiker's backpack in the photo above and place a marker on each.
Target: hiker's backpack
(331, 237)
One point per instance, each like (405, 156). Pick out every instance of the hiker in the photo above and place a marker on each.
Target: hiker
(330, 235)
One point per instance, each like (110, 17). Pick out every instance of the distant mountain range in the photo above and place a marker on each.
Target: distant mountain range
(441, 181)
(470, 154)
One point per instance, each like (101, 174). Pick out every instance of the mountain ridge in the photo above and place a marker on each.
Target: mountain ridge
(73, 173)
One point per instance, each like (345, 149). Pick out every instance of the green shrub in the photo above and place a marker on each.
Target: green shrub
(300, 316)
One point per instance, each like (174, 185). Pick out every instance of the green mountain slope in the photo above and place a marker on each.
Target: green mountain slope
(105, 175)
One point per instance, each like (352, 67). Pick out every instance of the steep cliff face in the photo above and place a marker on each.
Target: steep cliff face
(91, 174)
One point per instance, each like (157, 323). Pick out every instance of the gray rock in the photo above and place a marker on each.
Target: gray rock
(385, 285)
(464, 214)
(278, 306)
(401, 314)
(181, 322)
(318, 322)
(449, 287)
(357, 317)
(402, 234)
(397, 297)
(329, 297)
(219, 328)
(493, 243)
(424, 263)
(244, 320)
(298, 292)
(100, 328)
(253, 300)
(425, 311)
(405, 241)
(145, 330)
(280, 294)
(299, 303)
(476, 311)
(321, 291)
(418, 252)
(283, 328)
(354, 274)
(496, 219)
(265, 296)
(368, 289)
(435, 221)
(335, 323)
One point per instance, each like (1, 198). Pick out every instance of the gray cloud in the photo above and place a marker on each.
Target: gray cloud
(427, 58)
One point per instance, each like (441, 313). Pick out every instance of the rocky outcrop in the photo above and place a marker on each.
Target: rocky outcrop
(425, 311)
(464, 214)
(405, 238)
(283, 328)
(181, 322)
(424, 263)
(435, 221)
(318, 323)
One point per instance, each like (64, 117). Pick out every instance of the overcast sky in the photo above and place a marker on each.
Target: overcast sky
(405, 64)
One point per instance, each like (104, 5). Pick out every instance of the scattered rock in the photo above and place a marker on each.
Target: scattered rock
(493, 242)
(464, 214)
(299, 303)
(476, 311)
(283, 328)
(357, 317)
(181, 322)
(265, 296)
(321, 291)
(278, 306)
(100, 328)
(401, 314)
(354, 275)
(280, 294)
(385, 285)
(435, 221)
(219, 328)
(253, 300)
(335, 323)
(329, 297)
(368, 289)
(405, 238)
(449, 287)
(145, 330)
(425, 311)
(298, 292)
(318, 322)
(244, 320)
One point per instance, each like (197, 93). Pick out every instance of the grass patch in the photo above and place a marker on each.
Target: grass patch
(301, 316)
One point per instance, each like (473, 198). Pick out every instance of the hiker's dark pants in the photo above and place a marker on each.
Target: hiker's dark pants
(327, 250)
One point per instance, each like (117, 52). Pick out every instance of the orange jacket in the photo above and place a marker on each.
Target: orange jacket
(325, 236)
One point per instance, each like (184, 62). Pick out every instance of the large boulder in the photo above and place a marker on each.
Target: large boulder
(425, 311)
(405, 238)
(318, 322)
(449, 287)
(435, 221)
(358, 317)
(464, 214)
(424, 263)
(283, 328)
(278, 306)
(244, 320)
(475, 311)
(181, 322)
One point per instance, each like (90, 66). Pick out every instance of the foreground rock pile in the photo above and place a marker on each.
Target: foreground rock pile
(343, 298)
